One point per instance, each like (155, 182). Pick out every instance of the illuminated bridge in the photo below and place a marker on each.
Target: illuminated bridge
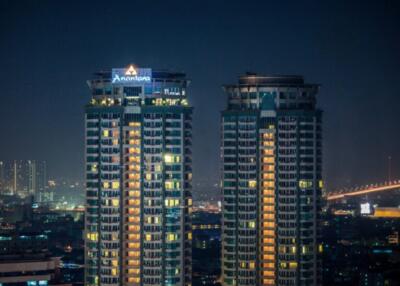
(359, 191)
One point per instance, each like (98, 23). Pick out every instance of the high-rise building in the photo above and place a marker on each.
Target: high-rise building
(21, 177)
(24, 178)
(37, 181)
(41, 191)
(2, 177)
(271, 182)
(31, 177)
(138, 179)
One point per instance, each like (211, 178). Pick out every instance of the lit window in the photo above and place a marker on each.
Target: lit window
(304, 184)
(269, 176)
(252, 184)
(172, 236)
(267, 200)
(168, 158)
(133, 236)
(269, 249)
(134, 124)
(268, 240)
(269, 184)
(133, 253)
(171, 203)
(268, 160)
(269, 152)
(92, 236)
(133, 219)
(133, 245)
(169, 185)
(292, 265)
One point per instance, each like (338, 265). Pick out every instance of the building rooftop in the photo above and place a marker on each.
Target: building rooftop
(269, 80)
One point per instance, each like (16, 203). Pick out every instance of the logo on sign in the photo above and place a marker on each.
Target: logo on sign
(131, 71)
(131, 76)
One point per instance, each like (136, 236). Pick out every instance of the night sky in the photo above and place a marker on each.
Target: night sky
(48, 49)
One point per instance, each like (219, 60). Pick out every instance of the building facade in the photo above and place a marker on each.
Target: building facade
(26, 261)
(271, 182)
(138, 179)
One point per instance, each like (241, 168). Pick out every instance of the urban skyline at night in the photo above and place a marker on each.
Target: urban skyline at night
(348, 64)
(199, 143)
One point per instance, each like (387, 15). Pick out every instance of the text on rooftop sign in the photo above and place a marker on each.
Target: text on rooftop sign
(131, 76)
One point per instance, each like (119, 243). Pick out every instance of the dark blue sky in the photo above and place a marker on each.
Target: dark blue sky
(48, 49)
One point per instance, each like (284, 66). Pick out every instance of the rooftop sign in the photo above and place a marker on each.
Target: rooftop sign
(131, 76)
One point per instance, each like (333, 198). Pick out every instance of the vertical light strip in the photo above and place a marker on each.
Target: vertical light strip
(267, 217)
(132, 204)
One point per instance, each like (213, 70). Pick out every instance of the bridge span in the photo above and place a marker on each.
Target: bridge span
(374, 188)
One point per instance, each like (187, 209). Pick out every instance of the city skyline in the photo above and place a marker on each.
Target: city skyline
(199, 143)
(350, 50)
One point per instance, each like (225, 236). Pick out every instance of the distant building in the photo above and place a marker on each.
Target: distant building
(25, 260)
(382, 212)
(2, 178)
(138, 179)
(43, 194)
(272, 187)
(394, 238)
(25, 178)
(22, 178)
(38, 186)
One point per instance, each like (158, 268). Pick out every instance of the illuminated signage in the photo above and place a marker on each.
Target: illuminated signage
(131, 76)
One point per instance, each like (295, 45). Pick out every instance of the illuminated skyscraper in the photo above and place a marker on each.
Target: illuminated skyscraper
(21, 179)
(40, 183)
(2, 177)
(138, 179)
(271, 150)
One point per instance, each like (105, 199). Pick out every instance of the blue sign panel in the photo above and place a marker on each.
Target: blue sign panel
(131, 76)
